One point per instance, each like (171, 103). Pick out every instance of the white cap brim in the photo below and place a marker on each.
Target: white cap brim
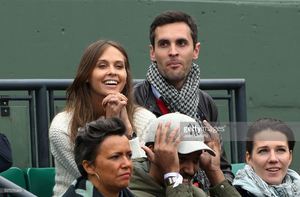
(186, 147)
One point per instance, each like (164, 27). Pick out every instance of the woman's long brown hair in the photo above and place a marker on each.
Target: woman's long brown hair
(79, 100)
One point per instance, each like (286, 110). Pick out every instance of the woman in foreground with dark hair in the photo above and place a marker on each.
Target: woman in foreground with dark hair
(103, 156)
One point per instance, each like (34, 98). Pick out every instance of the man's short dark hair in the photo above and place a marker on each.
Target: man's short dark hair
(169, 17)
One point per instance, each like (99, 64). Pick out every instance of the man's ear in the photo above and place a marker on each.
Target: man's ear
(88, 167)
(152, 53)
(196, 51)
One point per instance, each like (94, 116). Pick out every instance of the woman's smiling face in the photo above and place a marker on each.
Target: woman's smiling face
(270, 157)
(109, 75)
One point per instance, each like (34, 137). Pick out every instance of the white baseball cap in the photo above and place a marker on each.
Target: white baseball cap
(192, 134)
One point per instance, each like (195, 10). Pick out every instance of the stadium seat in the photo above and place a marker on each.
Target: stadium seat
(41, 181)
(15, 175)
(236, 167)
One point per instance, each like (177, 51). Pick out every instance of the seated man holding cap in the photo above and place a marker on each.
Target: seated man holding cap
(175, 149)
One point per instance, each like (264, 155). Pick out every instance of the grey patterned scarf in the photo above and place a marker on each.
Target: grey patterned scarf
(250, 181)
(185, 100)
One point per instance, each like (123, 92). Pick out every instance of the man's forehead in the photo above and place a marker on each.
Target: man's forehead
(173, 31)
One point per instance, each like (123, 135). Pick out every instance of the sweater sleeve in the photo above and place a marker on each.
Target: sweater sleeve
(141, 120)
(61, 147)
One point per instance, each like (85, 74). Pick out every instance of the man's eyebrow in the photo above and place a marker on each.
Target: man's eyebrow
(163, 40)
(181, 39)
(281, 146)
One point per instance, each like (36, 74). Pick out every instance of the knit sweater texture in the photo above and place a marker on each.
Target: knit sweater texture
(62, 148)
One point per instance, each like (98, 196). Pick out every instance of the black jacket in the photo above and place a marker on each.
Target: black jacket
(82, 187)
(207, 109)
(244, 193)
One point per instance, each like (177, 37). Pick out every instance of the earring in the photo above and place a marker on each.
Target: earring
(98, 177)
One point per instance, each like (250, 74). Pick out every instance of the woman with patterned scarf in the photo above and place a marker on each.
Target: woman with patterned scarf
(269, 147)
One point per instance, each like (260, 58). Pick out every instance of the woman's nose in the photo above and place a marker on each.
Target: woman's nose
(111, 70)
(273, 156)
(127, 162)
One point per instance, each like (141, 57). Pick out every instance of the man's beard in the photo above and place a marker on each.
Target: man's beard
(186, 178)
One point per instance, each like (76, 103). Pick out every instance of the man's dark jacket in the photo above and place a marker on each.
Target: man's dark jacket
(207, 110)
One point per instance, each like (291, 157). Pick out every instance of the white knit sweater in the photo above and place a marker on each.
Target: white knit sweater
(62, 149)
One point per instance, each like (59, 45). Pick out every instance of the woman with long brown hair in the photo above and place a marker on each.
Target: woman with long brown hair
(102, 88)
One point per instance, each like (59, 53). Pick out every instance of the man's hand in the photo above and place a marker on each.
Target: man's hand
(207, 161)
(165, 155)
(211, 164)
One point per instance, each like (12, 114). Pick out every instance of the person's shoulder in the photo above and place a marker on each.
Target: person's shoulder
(206, 100)
(140, 164)
(61, 121)
(207, 106)
(142, 84)
(224, 188)
(243, 192)
(141, 89)
(204, 95)
(127, 193)
(62, 117)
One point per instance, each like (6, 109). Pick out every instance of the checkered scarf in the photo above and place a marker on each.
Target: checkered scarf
(185, 100)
